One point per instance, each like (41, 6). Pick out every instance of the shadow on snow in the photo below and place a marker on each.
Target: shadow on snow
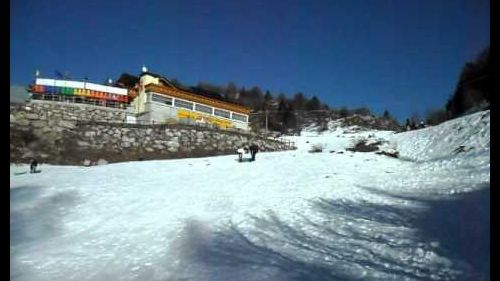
(347, 240)
(34, 217)
(461, 225)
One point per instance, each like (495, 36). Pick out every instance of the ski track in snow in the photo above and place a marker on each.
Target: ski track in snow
(289, 215)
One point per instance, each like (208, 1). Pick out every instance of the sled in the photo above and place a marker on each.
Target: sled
(22, 173)
(244, 160)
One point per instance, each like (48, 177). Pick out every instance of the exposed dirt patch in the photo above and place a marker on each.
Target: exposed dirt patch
(461, 149)
(363, 146)
(316, 148)
(393, 154)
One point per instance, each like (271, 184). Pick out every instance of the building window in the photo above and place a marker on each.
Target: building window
(183, 104)
(161, 99)
(203, 108)
(222, 113)
(239, 117)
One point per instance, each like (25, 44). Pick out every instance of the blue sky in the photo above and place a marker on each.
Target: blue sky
(404, 56)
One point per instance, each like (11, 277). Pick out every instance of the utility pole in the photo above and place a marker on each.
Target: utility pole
(267, 104)
(267, 131)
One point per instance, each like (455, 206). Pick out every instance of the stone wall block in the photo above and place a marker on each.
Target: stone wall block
(89, 134)
(32, 116)
(67, 124)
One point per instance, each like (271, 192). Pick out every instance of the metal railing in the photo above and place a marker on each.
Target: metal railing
(288, 143)
(79, 100)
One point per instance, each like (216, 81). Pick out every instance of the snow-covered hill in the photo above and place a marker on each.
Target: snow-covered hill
(472, 133)
(334, 215)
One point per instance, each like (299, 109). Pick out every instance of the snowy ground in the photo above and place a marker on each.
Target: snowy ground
(288, 216)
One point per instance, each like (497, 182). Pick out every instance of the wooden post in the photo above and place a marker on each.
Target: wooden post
(267, 130)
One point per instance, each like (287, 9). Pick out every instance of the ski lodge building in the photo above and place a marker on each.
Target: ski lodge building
(148, 99)
(159, 100)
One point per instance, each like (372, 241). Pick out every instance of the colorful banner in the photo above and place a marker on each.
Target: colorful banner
(203, 118)
(68, 91)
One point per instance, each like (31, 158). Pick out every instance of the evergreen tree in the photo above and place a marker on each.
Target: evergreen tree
(364, 111)
(268, 97)
(256, 98)
(281, 97)
(313, 104)
(435, 116)
(344, 112)
(299, 101)
(242, 97)
(210, 87)
(267, 101)
(473, 90)
(176, 82)
(289, 119)
(386, 114)
(230, 91)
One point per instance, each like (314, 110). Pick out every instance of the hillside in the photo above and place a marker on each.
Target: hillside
(293, 215)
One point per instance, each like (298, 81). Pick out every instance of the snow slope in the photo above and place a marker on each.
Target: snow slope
(290, 215)
(472, 132)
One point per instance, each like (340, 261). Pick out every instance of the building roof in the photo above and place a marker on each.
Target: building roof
(194, 97)
(162, 79)
(205, 93)
(127, 80)
(192, 90)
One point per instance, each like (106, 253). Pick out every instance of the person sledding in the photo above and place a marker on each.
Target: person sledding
(33, 165)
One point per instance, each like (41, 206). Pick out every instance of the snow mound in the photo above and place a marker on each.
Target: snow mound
(465, 136)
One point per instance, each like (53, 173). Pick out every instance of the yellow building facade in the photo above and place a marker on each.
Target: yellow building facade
(159, 101)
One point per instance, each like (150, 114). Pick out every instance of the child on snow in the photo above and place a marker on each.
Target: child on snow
(33, 165)
(253, 149)
(240, 153)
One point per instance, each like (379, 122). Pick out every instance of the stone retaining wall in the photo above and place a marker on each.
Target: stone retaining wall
(58, 139)
(52, 110)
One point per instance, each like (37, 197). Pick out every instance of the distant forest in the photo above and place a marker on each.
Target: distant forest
(472, 92)
(284, 112)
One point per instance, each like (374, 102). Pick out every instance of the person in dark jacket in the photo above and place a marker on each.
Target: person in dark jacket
(407, 125)
(253, 150)
(33, 165)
